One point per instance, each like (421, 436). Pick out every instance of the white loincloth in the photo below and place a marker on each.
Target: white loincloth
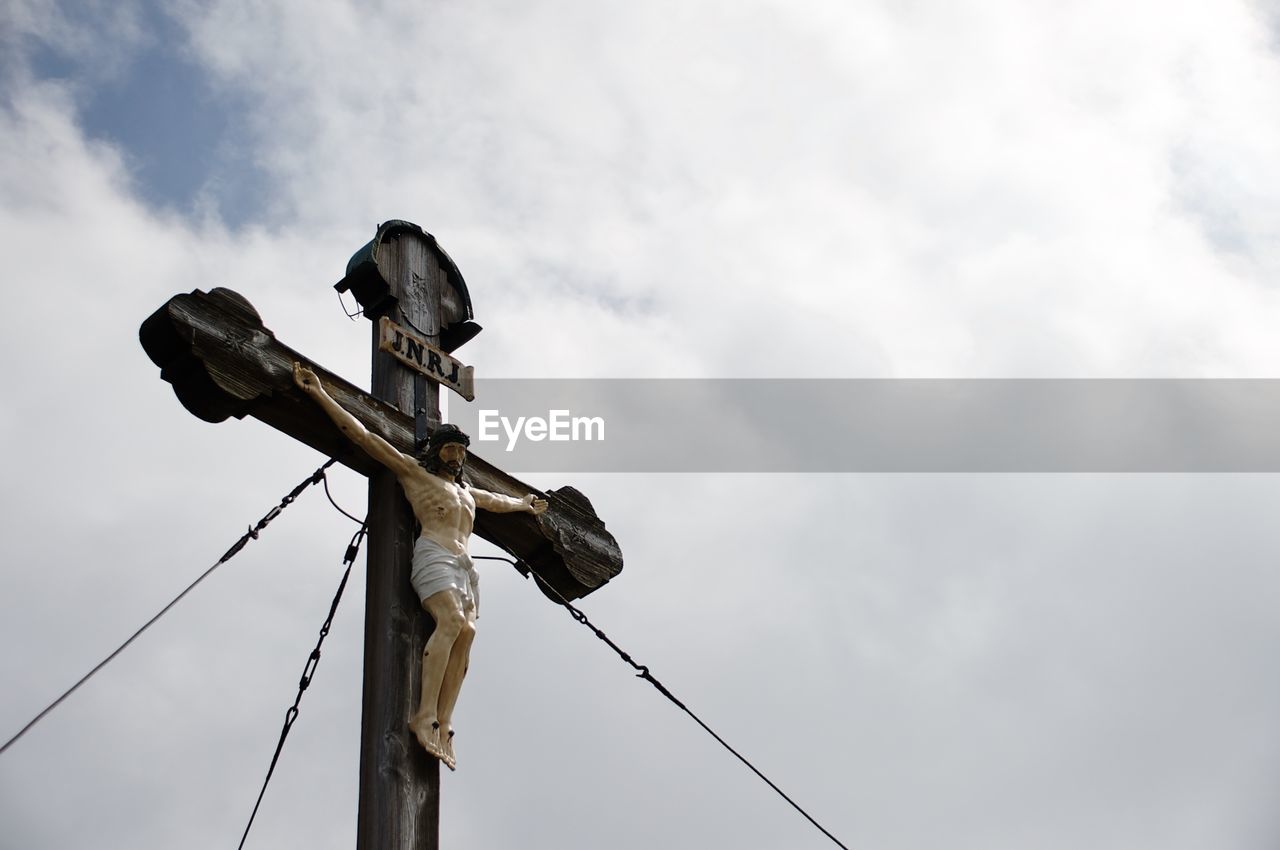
(435, 568)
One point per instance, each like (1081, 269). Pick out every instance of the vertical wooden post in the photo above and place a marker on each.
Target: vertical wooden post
(399, 782)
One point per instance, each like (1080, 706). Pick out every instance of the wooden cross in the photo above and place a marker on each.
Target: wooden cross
(223, 361)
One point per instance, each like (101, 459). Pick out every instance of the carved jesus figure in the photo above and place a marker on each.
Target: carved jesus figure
(443, 574)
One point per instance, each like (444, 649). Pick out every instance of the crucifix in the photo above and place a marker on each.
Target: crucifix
(222, 361)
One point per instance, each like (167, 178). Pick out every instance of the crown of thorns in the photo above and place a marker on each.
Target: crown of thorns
(447, 434)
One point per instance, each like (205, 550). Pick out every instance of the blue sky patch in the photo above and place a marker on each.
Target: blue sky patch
(179, 135)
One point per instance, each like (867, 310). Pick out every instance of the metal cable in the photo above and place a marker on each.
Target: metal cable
(252, 533)
(648, 677)
(313, 660)
(352, 316)
(337, 507)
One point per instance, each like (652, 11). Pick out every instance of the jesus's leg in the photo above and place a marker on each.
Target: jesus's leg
(454, 673)
(445, 608)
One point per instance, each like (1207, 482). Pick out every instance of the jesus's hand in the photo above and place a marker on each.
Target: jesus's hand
(305, 378)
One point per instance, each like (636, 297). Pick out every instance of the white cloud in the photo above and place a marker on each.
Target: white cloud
(98, 35)
(912, 188)
(991, 189)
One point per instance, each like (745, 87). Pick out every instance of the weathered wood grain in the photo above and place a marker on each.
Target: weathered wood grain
(399, 783)
(424, 358)
(223, 362)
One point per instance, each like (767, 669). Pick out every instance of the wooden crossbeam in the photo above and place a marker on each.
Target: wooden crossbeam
(224, 362)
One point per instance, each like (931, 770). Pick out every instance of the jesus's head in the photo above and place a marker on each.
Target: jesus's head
(445, 452)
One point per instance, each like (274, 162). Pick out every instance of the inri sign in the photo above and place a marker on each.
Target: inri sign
(421, 356)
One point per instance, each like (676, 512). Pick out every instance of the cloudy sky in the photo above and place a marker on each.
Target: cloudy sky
(703, 190)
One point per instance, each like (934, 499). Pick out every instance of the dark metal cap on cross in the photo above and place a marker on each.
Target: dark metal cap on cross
(371, 270)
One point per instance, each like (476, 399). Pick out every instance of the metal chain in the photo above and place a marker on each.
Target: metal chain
(251, 534)
(308, 670)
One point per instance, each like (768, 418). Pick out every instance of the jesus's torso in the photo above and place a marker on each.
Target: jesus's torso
(446, 511)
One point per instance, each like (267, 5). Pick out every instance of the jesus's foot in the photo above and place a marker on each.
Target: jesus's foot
(427, 731)
(446, 744)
